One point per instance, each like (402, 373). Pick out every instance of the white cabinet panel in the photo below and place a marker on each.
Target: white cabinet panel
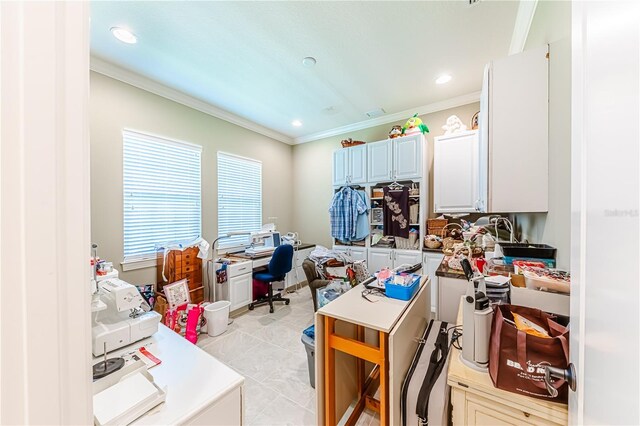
(379, 158)
(407, 157)
(450, 290)
(240, 290)
(406, 257)
(379, 259)
(430, 264)
(357, 253)
(340, 166)
(357, 164)
(456, 173)
(518, 132)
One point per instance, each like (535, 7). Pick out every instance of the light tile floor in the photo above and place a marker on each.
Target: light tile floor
(266, 349)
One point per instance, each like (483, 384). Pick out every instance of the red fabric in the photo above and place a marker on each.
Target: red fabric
(260, 289)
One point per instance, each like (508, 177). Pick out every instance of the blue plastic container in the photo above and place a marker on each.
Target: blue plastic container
(401, 292)
(551, 263)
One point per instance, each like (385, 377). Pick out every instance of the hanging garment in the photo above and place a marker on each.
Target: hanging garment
(346, 205)
(425, 394)
(396, 212)
(362, 221)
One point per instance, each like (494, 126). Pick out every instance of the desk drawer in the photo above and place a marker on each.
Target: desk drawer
(238, 268)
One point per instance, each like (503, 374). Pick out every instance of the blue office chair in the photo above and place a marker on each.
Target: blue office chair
(279, 265)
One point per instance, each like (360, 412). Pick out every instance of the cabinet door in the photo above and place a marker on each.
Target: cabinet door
(358, 253)
(430, 264)
(407, 157)
(240, 291)
(340, 166)
(518, 133)
(379, 259)
(406, 257)
(358, 164)
(379, 159)
(456, 173)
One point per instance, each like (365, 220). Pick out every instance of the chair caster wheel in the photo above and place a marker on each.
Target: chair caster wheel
(251, 307)
(270, 310)
(286, 302)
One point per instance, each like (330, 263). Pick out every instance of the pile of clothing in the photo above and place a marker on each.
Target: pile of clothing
(323, 256)
(349, 214)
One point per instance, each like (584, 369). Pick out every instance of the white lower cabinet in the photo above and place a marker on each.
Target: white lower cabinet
(240, 290)
(355, 253)
(391, 258)
(379, 259)
(430, 264)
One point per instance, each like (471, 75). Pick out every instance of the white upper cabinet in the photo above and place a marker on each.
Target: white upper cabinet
(396, 159)
(380, 166)
(516, 93)
(358, 164)
(340, 166)
(350, 165)
(407, 157)
(456, 165)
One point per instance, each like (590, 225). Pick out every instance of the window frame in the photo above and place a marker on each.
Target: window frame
(146, 260)
(223, 245)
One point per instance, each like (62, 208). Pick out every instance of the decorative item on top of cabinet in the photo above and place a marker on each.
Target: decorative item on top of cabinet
(348, 143)
(395, 132)
(453, 125)
(178, 265)
(414, 125)
(474, 121)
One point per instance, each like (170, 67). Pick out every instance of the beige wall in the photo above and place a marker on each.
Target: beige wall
(116, 105)
(552, 25)
(312, 167)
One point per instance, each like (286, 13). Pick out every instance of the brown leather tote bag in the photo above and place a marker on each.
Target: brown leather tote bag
(517, 360)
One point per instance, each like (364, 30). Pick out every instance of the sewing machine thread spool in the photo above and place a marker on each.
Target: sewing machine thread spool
(107, 366)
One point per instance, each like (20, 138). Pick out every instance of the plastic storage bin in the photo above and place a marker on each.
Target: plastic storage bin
(401, 292)
(524, 250)
(310, 347)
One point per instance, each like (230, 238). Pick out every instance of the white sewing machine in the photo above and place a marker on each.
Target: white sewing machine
(124, 320)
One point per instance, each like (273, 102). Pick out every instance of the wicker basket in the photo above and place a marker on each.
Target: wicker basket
(437, 227)
(347, 143)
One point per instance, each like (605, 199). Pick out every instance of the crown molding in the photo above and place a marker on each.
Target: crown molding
(134, 79)
(524, 17)
(390, 118)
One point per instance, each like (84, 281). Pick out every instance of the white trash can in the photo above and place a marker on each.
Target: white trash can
(217, 316)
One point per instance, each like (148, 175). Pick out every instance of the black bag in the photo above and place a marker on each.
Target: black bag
(425, 393)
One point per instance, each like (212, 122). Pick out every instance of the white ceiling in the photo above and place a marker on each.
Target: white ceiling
(245, 57)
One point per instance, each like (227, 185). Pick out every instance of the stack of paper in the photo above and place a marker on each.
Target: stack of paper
(125, 401)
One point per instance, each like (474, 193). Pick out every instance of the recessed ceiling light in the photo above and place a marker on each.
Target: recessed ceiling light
(309, 61)
(124, 35)
(296, 123)
(444, 78)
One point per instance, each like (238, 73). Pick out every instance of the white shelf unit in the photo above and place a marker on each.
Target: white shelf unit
(400, 159)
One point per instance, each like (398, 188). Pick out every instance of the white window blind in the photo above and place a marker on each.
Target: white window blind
(239, 197)
(161, 193)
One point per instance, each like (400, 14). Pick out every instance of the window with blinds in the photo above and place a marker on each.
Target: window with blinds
(239, 198)
(162, 193)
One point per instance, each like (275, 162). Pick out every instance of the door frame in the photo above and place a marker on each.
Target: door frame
(45, 351)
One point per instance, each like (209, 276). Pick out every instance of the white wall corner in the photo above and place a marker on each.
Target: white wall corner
(137, 80)
(524, 18)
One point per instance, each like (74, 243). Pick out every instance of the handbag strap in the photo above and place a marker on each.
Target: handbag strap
(521, 345)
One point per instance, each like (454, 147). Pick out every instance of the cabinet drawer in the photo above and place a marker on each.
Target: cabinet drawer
(189, 268)
(481, 411)
(239, 268)
(197, 295)
(194, 279)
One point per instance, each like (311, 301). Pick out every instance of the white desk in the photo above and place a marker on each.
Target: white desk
(200, 389)
(383, 333)
(239, 289)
